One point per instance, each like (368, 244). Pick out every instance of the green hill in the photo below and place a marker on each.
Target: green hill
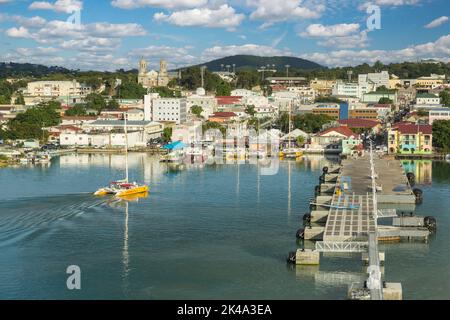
(244, 62)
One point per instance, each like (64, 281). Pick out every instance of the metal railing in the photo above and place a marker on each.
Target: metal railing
(343, 247)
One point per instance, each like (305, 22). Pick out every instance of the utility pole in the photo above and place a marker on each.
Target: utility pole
(287, 70)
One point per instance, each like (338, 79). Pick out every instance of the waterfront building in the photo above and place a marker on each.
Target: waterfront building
(169, 109)
(188, 132)
(149, 129)
(293, 136)
(361, 125)
(152, 78)
(331, 139)
(410, 139)
(94, 139)
(438, 114)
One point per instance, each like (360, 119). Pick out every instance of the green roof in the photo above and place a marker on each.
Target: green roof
(426, 95)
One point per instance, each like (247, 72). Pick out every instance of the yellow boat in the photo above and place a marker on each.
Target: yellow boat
(123, 188)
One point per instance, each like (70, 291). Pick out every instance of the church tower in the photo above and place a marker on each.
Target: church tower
(142, 67)
(163, 77)
(142, 77)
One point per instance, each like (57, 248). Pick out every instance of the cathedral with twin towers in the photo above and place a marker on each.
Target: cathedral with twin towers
(150, 79)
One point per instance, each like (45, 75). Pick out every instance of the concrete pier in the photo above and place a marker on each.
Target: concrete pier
(319, 216)
(307, 257)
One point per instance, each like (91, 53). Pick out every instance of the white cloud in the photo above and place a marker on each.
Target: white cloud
(437, 22)
(222, 17)
(440, 49)
(336, 30)
(359, 40)
(38, 51)
(388, 3)
(91, 45)
(168, 4)
(271, 11)
(20, 32)
(66, 6)
(247, 49)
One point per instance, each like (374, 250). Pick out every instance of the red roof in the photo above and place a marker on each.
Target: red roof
(341, 130)
(414, 128)
(359, 123)
(228, 99)
(224, 114)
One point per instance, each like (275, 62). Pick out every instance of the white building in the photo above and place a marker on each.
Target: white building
(349, 89)
(54, 89)
(169, 109)
(439, 114)
(135, 139)
(207, 103)
(306, 94)
(148, 128)
(428, 99)
(374, 80)
(243, 93)
(187, 133)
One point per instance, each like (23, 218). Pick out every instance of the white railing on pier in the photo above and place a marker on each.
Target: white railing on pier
(342, 247)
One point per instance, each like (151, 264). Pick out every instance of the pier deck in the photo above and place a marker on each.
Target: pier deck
(345, 223)
(392, 182)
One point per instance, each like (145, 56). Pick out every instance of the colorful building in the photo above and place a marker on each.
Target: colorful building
(410, 139)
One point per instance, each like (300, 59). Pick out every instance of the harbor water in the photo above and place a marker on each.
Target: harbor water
(204, 232)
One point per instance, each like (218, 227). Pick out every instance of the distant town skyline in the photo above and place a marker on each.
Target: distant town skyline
(115, 34)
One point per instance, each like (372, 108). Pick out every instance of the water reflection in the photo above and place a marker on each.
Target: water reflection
(422, 169)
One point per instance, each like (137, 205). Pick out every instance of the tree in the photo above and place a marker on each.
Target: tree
(113, 104)
(166, 135)
(223, 88)
(28, 125)
(5, 100)
(19, 100)
(329, 99)
(385, 100)
(441, 134)
(445, 97)
(165, 92)
(197, 110)
(422, 113)
(250, 110)
(130, 90)
(95, 101)
(77, 110)
(300, 140)
(213, 125)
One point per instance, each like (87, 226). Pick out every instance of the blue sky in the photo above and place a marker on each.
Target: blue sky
(114, 34)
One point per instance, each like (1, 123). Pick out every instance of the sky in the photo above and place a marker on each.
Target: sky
(114, 34)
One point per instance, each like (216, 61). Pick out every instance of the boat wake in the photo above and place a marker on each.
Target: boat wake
(21, 217)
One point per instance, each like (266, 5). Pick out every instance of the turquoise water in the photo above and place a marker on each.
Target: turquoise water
(205, 232)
